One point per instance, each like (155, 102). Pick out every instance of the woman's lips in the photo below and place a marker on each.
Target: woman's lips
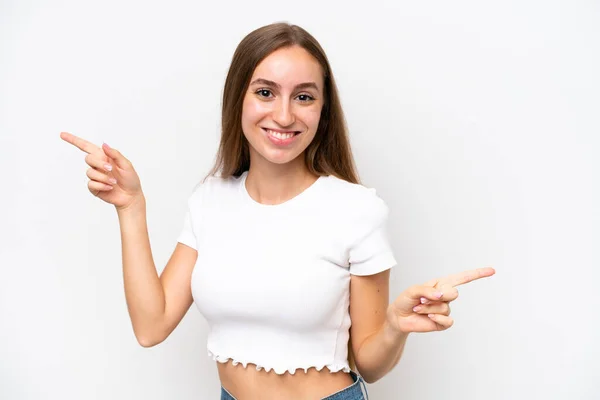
(281, 138)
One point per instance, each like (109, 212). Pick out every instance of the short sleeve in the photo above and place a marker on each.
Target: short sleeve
(187, 235)
(371, 251)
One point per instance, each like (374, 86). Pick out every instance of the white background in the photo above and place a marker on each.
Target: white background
(477, 122)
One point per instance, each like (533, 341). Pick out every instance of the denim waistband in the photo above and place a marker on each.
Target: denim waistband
(353, 392)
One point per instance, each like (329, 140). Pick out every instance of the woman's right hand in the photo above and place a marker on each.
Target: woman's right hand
(112, 176)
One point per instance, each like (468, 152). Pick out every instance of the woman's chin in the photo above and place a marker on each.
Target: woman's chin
(281, 160)
(280, 157)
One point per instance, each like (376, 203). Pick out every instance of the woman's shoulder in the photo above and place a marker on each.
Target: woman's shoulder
(354, 196)
(352, 191)
(217, 182)
(214, 185)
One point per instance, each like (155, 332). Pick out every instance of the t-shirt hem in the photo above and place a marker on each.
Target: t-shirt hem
(332, 367)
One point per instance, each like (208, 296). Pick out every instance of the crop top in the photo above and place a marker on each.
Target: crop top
(272, 281)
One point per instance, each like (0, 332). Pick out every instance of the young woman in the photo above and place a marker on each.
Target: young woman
(274, 239)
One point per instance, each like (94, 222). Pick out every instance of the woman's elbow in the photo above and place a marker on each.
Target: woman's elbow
(146, 342)
(370, 380)
(149, 339)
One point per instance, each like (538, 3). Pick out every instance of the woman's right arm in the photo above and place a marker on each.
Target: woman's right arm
(156, 304)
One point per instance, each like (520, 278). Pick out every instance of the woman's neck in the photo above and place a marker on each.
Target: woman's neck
(269, 183)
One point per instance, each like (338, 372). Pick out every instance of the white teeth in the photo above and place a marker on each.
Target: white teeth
(279, 135)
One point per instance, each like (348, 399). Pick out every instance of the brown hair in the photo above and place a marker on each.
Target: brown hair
(328, 154)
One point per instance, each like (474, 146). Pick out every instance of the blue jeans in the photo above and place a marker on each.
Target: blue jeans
(352, 392)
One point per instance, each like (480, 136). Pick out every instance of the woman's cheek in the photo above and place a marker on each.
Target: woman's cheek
(312, 118)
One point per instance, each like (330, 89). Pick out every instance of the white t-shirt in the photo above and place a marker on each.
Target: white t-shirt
(273, 281)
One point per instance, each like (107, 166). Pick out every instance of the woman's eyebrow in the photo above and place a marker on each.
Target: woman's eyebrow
(267, 82)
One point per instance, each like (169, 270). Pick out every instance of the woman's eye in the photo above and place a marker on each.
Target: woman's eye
(264, 92)
(305, 97)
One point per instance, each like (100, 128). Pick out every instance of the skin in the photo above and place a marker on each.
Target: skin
(157, 304)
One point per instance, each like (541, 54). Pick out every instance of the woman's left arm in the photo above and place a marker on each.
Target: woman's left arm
(377, 348)
(379, 331)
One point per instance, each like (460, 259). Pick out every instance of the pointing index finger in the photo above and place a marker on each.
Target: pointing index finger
(468, 276)
(80, 143)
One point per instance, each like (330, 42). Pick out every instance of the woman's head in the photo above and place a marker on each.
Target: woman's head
(280, 103)
(282, 107)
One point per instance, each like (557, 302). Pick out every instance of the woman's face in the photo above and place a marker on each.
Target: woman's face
(283, 104)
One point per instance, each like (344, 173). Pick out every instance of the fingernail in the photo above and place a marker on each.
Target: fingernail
(106, 144)
(432, 316)
(417, 308)
(113, 181)
(438, 294)
(108, 167)
(423, 300)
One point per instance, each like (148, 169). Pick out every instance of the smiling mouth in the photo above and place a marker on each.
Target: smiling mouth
(281, 135)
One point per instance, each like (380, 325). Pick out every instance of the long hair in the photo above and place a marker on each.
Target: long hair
(328, 154)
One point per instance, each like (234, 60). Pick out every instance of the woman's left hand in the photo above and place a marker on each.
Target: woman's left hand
(426, 308)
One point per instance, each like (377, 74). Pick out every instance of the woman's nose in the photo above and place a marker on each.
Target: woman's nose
(283, 114)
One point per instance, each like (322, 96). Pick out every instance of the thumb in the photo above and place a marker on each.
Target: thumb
(119, 159)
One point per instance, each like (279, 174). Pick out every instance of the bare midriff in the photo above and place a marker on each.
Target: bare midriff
(248, 383)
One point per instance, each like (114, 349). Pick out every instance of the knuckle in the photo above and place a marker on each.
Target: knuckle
(413, 290)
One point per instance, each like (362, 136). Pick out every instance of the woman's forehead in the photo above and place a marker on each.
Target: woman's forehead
(289, 67)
